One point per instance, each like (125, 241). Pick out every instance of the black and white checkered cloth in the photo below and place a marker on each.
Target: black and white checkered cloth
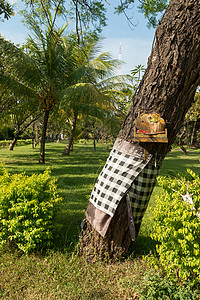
(127, 170)
(141, 189)
(116, 178)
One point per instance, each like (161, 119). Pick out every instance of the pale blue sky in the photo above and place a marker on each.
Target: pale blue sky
(136, 43)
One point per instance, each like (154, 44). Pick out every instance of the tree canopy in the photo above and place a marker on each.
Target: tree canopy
(150, 8)
(6, 10)
(91, 15)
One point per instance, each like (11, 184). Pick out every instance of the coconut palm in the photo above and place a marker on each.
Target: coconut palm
(91, 89)
(53, 67)
(38, 72)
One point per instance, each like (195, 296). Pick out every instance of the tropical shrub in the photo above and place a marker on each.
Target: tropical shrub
(177, 226)
(27, 209)
(6, 143)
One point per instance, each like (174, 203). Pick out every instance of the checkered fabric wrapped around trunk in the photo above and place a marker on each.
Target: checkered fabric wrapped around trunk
(115, 179)
(127, 170)
(141, 189)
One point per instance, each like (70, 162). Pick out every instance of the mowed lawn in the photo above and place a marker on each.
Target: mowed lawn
(59, 273)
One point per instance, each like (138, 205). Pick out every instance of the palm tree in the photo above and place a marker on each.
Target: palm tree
(90, 88)
(53, 67)
(38, 72)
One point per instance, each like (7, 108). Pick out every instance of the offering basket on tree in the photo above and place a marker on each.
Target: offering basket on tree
(150, 128)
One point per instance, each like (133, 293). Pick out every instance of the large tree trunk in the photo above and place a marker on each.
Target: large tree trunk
(168, 87)
(43, 137)
(71, 137)
(172, 75)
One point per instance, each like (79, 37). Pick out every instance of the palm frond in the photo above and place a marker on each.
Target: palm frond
(17, 88)
(83, 94)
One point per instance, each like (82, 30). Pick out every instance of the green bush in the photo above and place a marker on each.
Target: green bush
(27, 208)
(177, 226)
(6, 143)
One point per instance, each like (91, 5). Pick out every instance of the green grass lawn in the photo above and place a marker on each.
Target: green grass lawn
(60, 274)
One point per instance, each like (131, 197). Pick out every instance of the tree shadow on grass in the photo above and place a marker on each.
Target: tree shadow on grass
(67, 230)
(176, 162)
(144, 245)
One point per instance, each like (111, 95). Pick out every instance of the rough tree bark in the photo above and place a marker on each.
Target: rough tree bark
(168, 88)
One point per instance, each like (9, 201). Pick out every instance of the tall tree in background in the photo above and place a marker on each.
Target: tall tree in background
(47, 66)
(39, 73)
(50, 67)
(91, 88)
(168, 88)
(91, 15)
(88, 17)
(54, 67)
